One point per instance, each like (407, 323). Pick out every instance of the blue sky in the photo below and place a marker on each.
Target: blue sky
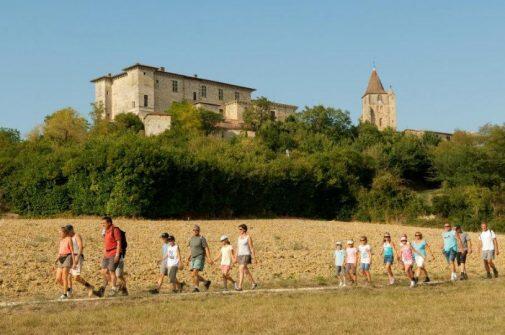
(444, 59)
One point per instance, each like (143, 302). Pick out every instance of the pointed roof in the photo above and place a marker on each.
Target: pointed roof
(374, 84)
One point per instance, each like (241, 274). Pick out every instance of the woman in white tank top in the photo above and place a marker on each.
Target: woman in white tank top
(245, 255)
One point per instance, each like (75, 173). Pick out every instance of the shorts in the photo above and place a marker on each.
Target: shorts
(172, 273)
(244, 259)
(389, 259)
(407, 262)
(461, 257)
(225, 269)
(339, 270)
(487, 255)
(77, 270)
(364, 266)
(419, 261)
(197, 263)
(450, 255)
(65, 262)
(350, 268)
(109, 264)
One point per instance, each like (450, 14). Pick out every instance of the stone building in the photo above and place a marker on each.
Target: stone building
(148, 91)
(378, 106)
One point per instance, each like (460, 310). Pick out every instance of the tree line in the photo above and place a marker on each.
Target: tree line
(315, 164)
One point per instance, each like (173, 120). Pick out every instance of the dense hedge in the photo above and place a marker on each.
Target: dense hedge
(316, 164)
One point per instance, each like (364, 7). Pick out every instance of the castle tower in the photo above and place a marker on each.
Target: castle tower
(378, 106)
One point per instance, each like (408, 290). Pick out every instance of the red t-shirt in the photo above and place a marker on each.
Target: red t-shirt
(112, 236)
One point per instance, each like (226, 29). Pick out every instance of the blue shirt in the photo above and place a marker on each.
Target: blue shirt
(420, 248)
(164, 249)
(450, 242)
(339, 257)
(388, 250)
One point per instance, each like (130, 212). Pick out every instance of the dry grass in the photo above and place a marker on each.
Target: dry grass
(290, 252)
(474, 307)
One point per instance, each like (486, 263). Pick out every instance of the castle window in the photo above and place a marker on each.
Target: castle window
(220, 94)
(144, 73)
(380, 122)
(175, 86)
(194, 96)
(133, 104)
(237, 96)
(203, 91)
(146, 100)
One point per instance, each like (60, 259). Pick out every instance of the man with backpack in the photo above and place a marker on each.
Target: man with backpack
(489, 247)
(114, 251)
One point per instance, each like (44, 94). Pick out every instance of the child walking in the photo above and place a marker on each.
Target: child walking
(339, 256)
(406, 256)
(170, 264)
(228, 257)
(350, 261)
(389, 251)
(365, 258)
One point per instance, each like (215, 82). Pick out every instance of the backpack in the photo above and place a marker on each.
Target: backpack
(124, 243)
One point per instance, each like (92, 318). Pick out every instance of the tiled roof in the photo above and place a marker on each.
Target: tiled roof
(374, 84)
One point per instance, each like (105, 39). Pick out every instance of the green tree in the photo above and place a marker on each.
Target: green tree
(128, 122)
(209, 120)
(257, 113)
(332, 122)
(65, 126)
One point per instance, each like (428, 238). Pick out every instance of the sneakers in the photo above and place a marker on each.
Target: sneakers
(124, 291)
(412, 283)
(114, 291)
(69, 292)
(235, 286)
(207, 284)
(100, 292)
(488, 276)
(195, 290)
(426, 280)
(154, 291)
(495, 272)
(454, 276)
(462, 276)
(181, 286)
(391, 281)
(416, 279)
(254, 286)
(64, 297)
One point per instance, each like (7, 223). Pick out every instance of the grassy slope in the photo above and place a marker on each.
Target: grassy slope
(462, 308)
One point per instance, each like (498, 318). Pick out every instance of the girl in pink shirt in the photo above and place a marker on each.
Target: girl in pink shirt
(406, 256)
(350, 261)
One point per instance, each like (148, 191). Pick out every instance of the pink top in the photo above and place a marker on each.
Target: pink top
(406, 251)
(351, 255)
(64, 247)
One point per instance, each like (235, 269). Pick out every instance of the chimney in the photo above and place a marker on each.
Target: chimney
(162, 69)
(195, 75)
(109, 74)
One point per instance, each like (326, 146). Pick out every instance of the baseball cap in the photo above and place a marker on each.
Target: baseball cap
(224, 237)
(350, 242)
(165, 235)
(338, 243)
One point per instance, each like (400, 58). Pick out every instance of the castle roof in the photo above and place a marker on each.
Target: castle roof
(161, 71)
(374, 84)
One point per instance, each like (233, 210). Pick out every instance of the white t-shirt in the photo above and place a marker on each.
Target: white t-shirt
(364, 253)
(487, 240)
(173, 255)
(226, 254)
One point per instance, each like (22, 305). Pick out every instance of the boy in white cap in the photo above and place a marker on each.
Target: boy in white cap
(339, 256)
(228, 257)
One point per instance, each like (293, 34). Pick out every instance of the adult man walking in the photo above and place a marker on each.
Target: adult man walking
(75, 271)
(489, 247)
(452, 241)
(199, 250)
(466, 244)
(113, 257)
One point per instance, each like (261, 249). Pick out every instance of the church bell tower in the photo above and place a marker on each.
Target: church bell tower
(378, 105)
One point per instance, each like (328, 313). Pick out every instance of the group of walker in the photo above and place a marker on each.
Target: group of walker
(71, 258)
(456, 246)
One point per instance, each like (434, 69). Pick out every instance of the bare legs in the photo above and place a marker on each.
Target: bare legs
(243, 270)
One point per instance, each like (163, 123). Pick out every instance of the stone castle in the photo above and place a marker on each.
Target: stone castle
(378, 106)
(148, 91)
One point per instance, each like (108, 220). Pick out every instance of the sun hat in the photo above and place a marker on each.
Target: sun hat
(223, 238)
